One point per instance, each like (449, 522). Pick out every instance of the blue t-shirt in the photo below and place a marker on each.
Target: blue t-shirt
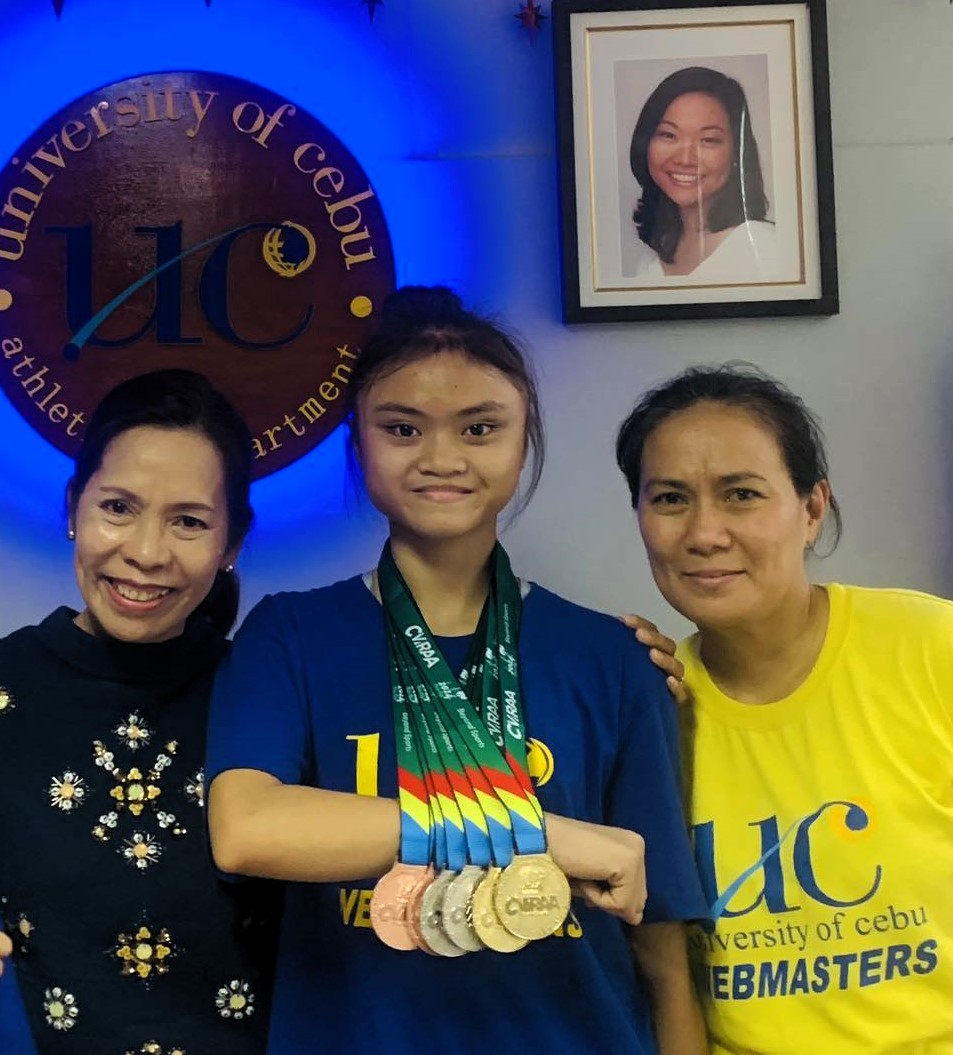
(15, 1035)
(305, 696)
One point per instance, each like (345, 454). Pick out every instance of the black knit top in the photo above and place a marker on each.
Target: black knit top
(125, 938)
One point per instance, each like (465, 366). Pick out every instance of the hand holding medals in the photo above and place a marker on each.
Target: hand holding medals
(474, 871)
(607, 865)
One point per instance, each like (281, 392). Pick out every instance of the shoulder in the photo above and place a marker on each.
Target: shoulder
(894, 609)
(25, 637)
(20, 661)
(543, 606)
(649, 265)
(578, 632)
(29, 669)
(305, 607)
(22, 643)
(753, 237)
(759, 230)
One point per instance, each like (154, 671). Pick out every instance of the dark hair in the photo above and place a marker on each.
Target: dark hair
(420, 321)
(178, 399)
(741, 385)
(657, 217)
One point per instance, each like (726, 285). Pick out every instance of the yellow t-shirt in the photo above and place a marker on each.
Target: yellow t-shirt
(823, 828)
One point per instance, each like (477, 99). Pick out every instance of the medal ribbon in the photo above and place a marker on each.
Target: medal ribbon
(450, 844)
(416, 816)
(486, 768)
(460, 827)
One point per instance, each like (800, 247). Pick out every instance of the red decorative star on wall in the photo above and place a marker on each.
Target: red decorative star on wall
(531, 18)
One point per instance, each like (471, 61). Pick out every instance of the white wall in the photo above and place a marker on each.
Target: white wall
(880, 374)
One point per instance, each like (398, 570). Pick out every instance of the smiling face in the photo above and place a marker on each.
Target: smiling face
(724, 529)
(690, 154)
(441, 442)
(151, 533)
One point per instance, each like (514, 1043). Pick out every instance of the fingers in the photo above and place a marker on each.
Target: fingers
(626, 902)
(605, 865)
(667, 663)
(674, 671)
(649, 634)
(679, 690)
(655, 639)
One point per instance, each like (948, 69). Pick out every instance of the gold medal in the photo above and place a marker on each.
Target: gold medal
(486, 923)
(457, 912)
(532, 896)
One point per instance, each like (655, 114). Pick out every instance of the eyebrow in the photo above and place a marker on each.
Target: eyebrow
(111, 490)
(488, 406)
(704, 128)
(726, 480)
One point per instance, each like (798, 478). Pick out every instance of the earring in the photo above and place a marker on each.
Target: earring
(71, 534)
(228, 569)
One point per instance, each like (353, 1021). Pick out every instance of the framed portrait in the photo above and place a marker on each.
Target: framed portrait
(694, 159)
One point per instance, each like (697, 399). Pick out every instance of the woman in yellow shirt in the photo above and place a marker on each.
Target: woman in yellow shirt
(820, 740)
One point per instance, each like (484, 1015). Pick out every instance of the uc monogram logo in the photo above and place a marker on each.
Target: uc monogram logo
(774, 893)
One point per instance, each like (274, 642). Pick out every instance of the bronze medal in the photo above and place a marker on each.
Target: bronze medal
(391, 902)
(457, 909)
(532, 896)
(486, 923)
(430, 917)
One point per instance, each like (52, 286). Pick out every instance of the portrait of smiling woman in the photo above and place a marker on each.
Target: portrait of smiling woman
(703, 210)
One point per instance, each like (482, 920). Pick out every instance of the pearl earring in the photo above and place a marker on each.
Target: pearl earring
(71, 535)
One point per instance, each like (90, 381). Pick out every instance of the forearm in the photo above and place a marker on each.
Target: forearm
(660, 951)
(262, 827)
(677, 1017)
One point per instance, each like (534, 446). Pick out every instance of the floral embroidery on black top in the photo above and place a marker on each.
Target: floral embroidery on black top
(7, 703)
(137, 947)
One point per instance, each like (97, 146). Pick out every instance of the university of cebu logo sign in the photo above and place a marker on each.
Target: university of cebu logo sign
(194, 220)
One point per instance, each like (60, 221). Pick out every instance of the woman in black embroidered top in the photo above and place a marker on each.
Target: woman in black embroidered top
(125, 940)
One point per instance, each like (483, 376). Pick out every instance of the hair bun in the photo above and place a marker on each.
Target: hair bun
(419, 307)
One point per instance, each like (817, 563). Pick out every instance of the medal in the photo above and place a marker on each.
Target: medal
(391, 903)
(486, 923)
(428, 920)
(413, 916)
(457, 909)
(532, 896)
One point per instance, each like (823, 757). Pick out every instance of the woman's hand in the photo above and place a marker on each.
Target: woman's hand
(605, 866)
(6, 947)
(662, 653)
